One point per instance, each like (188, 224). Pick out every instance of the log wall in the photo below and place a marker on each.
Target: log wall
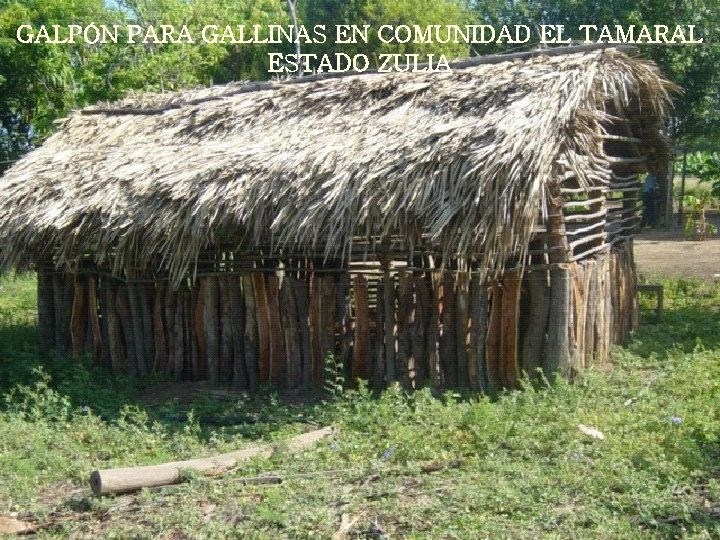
(276, 328)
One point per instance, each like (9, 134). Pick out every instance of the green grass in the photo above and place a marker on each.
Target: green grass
(516, 467)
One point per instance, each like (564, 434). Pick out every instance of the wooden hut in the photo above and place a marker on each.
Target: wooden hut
(452, 229)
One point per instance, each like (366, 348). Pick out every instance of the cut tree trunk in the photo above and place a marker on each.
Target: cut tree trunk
(127, 480)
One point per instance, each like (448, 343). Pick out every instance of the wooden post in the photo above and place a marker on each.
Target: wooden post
(404, 321)
(278, 369)
(328, 319)
(316, 363)
(94, 319)
(291, 334)
(145, 293)
(78, 320)
(212, 329)
(389, 321)
(158, 308)
(115, 340)
(477, 367)
(179, 364)
(251, 333)
(226, 334)
(360, 364)
(509, 331)
(263, 324)
(590, 310)
(534, 342)
(169, 310)
(190, 359)
(448, 339)
(433, 329)
(302, 303)
(125, 316)
(105, 354)
(557, 357)
(46, 312)
(379, 369)
(418, 330)
(578, 303)
(137, 328)
(237, 313)
(343, 319)
(201, 369)
(461, 331)
(493, 342)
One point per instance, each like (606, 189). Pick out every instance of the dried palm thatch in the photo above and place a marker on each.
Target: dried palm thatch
(463, 159)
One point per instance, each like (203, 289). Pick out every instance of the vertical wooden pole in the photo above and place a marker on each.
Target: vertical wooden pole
(115, 339)
(278, 369)
(190, 365)
(509, 332)
(179, 363)
(263, 324)
(316, 329)
(169, 309)
(105, 354)
(557, 357)
(448, 339)
(125, 316)
(404, 321)
(590, 310)
(94, 319)
(360, 364)
(493, 342)
(434, 284)
(137, 327)
(159, 333)
(145, 294)
(237, 313)
(423, 311)
(343, 318)
(212, 329)
(328, 319)
(46, 312)
(580, 312)
(389, 330)
(534, 343)
(291, 334)
(226, 331)
(379, 369)
(78, 321)
(201, 368)
(302, 303)
(462, 314)
(477, 368)
(251, 333)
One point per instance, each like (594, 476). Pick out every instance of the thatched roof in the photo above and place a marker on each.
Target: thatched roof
(463, 157)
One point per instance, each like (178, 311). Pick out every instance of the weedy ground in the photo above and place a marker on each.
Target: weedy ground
(404, 465)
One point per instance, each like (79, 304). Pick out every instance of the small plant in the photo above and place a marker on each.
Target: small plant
(334, 378)
(697, 225)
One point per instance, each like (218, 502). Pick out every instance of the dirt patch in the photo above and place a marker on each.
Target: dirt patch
(670, 254)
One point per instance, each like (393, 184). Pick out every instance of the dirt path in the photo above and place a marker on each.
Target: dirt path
(669, 254)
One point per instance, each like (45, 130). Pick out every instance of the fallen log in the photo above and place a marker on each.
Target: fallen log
(130, 479)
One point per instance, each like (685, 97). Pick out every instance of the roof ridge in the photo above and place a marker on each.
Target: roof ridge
(273, 85)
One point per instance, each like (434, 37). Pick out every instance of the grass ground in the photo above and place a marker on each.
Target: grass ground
(412, 466)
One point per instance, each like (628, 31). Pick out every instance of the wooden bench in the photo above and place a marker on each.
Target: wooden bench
(657, 290)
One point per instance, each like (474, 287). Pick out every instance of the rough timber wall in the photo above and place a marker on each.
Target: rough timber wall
(277, 327)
